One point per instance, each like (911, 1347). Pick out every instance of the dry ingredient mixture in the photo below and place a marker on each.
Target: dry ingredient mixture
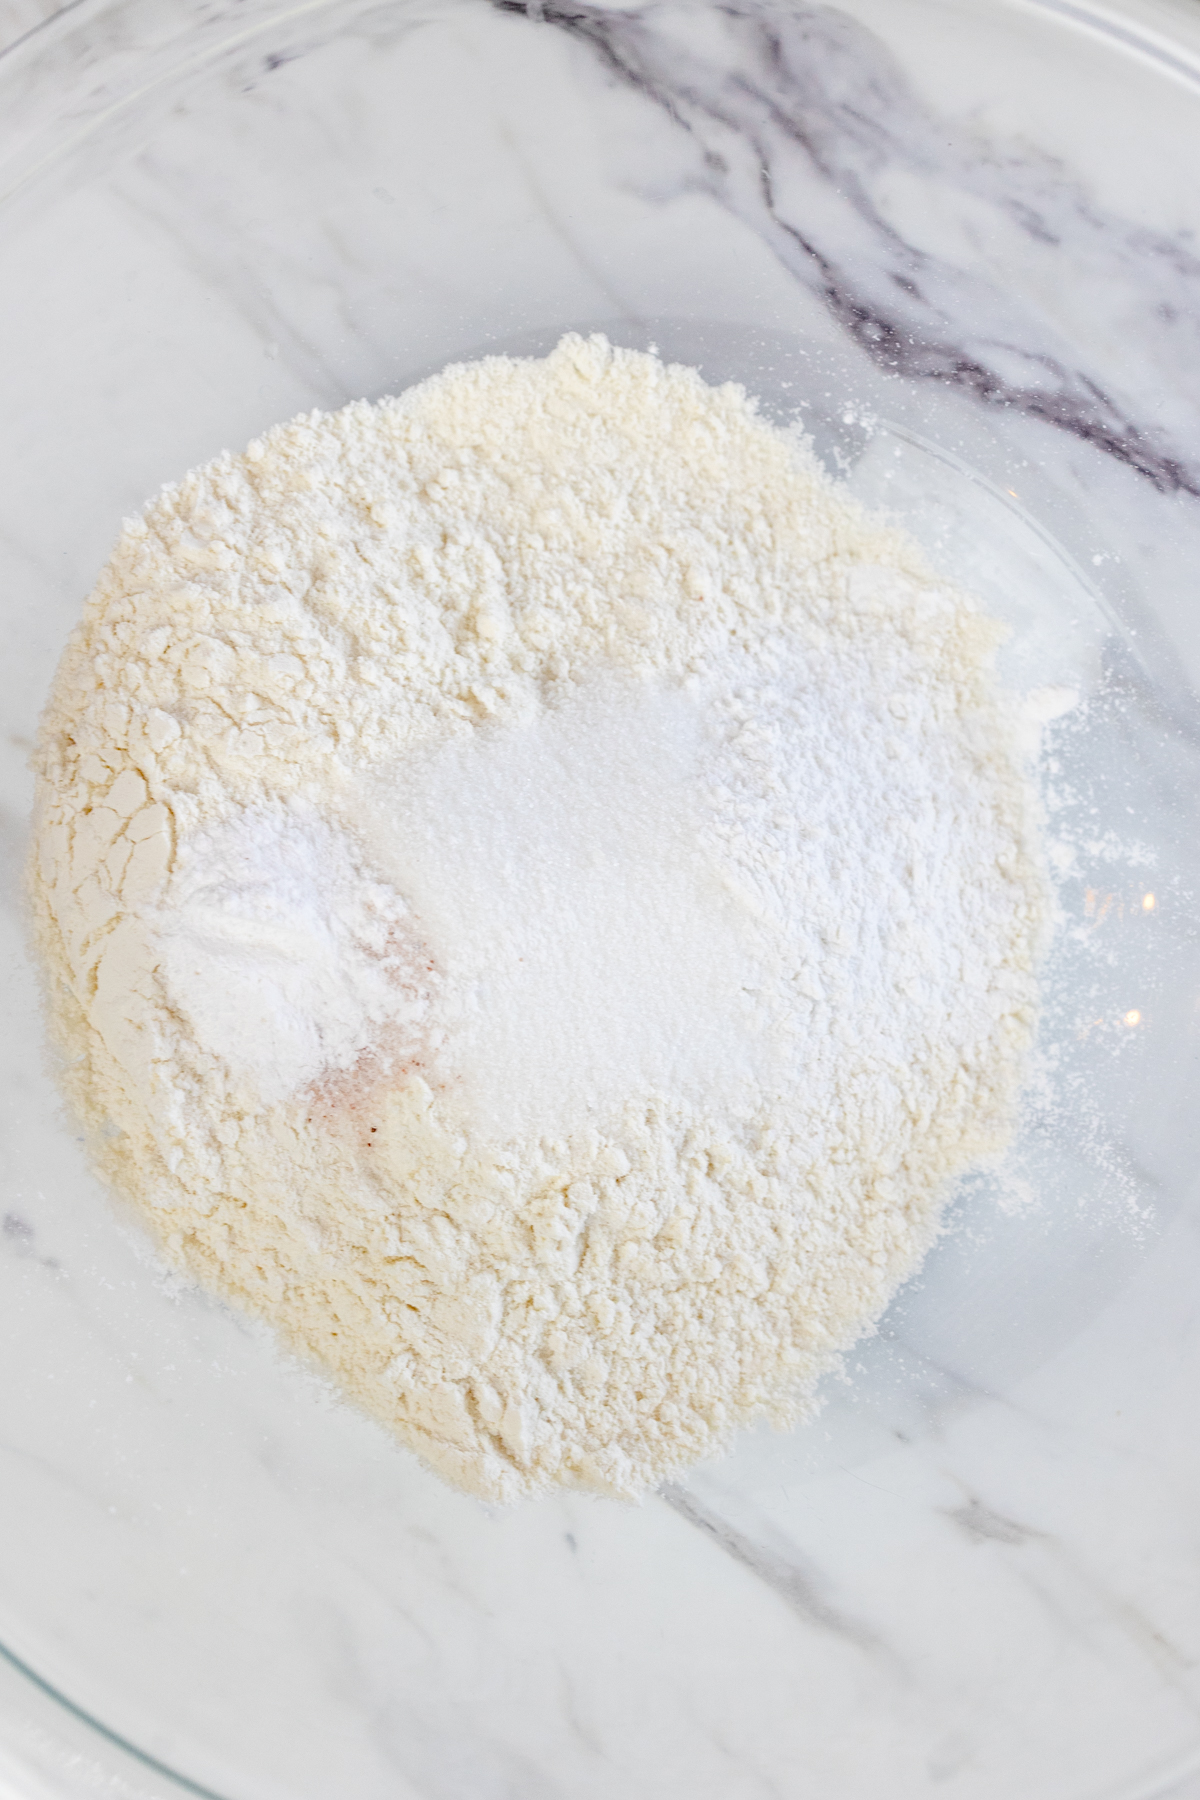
(539, 899)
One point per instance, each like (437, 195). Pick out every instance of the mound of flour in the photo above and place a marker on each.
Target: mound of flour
(539, 900)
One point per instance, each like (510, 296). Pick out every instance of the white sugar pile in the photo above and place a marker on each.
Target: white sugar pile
(589, 949)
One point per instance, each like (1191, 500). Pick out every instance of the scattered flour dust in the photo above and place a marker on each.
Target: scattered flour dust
(539, 899)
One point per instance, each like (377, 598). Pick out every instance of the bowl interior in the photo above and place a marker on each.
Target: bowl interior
(218, 217)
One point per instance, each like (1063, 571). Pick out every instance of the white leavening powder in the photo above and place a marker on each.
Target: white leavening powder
(539, 901)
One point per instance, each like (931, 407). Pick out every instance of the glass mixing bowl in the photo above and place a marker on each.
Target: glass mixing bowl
(955, 237)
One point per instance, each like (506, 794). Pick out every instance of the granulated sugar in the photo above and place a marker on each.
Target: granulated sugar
(540, 900)
(589, 948)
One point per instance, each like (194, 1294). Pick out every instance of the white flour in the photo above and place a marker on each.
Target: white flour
(539, 901)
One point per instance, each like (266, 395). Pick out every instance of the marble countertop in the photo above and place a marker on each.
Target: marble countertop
(978, 1574)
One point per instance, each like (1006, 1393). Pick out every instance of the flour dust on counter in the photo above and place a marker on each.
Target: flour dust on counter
(539, 898)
